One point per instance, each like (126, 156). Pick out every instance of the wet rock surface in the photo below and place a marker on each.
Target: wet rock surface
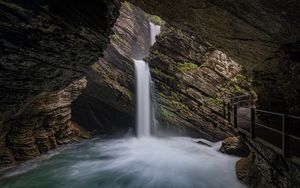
(235, 146)
(247, 171)
(192, 79)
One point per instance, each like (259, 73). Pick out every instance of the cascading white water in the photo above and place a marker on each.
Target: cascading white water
(154, 30)
(145, 117)
(143, 81)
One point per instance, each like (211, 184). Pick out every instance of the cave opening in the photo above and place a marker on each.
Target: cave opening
(114, 93)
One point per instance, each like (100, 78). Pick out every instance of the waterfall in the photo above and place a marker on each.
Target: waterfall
(143, 81)
(154, 30)
(144, 91)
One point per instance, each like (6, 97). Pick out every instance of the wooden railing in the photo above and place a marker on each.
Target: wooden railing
(253, 125)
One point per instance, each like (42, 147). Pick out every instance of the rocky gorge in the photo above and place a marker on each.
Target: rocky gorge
(67, 73)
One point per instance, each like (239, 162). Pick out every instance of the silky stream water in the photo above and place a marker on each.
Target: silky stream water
(148, 162)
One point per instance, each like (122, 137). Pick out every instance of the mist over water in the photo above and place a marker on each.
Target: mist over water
(148, 162)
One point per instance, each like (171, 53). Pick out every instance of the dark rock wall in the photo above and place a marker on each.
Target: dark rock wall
(192, 79)
(45, 49)
(45, 45)
(261, 35)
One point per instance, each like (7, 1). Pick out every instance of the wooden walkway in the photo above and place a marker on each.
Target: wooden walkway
(281, 132)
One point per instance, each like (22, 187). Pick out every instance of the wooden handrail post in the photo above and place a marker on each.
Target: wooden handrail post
(252, 125)
(235, 125)
(228, 113)
(284, 125)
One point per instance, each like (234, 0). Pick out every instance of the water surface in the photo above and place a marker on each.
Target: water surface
(176, 162)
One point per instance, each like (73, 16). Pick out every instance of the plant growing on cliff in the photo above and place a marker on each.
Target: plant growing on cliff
(128, 5)
(156, 20)
(166, 114)
(187, 66)
(215, 100)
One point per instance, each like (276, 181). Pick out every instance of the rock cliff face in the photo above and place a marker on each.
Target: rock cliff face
(263, 36)
(45, 49)
(192, 78)
(43, 125)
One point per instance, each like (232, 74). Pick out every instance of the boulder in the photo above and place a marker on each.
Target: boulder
(247, 171)
(235, 146)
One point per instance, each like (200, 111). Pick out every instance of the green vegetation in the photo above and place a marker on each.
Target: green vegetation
(187, 66)
(128, 6)
(179, 105)
(238, 89)
(119, 39)
(166, 114)
(156, 53)
(203, 65)
(215, 100)
(156, 20)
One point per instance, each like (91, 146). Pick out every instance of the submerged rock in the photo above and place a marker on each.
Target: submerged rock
(235, 146)
(203, 143)
(6, 157)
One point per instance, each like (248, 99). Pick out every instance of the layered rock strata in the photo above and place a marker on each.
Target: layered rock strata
(192, 79)
(42, 126)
